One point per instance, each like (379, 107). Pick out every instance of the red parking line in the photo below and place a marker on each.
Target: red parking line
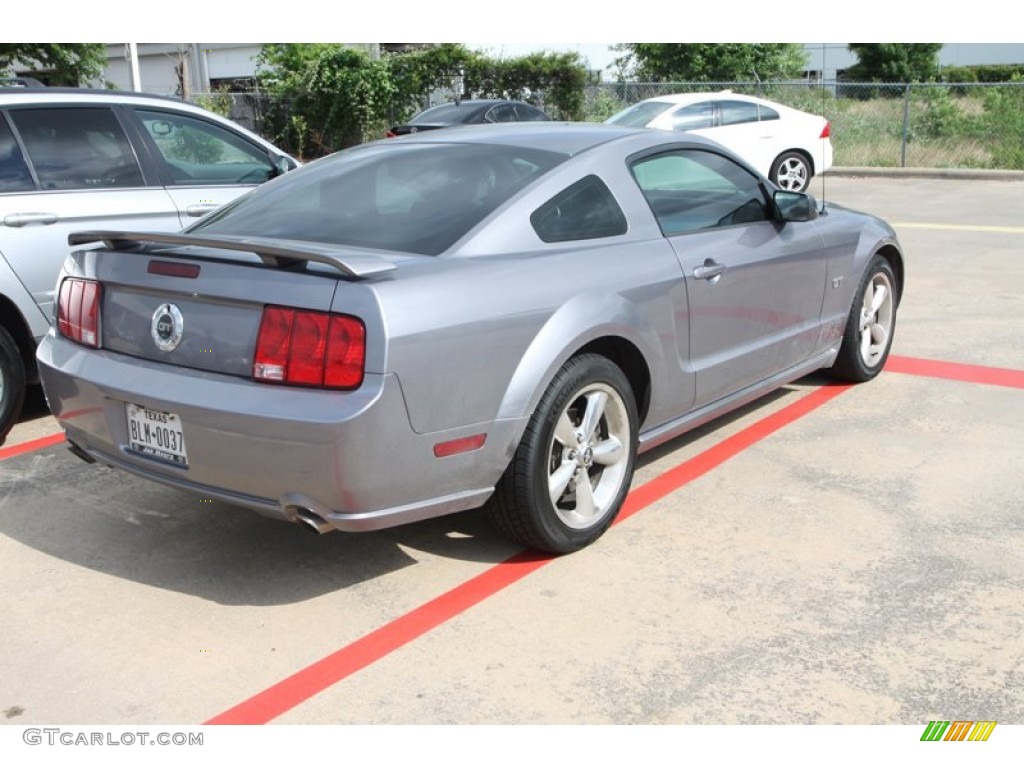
(306, 683)
(678, 476)
(972, 374)
(31, 445)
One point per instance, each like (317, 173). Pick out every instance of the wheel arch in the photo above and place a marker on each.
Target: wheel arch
(893, 255)
(797, 151)
(607, 325)
(630, 361)
(16, 325)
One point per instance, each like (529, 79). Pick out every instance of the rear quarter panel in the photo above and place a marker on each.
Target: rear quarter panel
(479, 339)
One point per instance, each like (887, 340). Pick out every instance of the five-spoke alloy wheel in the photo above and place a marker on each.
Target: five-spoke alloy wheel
(791, 171)
(870, 326)
(569, 476)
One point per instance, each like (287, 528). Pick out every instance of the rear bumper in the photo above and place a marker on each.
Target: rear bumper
(351, 458)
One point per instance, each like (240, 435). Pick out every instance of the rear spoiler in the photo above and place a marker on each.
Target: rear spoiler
(283, 254)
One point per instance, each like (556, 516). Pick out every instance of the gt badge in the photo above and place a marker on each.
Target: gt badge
(167, 327)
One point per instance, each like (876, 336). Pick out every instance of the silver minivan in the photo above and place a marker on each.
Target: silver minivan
(73, 159)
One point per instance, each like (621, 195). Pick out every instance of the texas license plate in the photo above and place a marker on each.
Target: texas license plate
(157, 434)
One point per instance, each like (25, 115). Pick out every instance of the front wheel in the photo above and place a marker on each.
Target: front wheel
(870, 325)
(791, 171)
(570, 474)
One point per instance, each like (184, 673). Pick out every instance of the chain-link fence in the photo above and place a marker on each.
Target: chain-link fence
(922, 125)
(943, 125)
(246, 109)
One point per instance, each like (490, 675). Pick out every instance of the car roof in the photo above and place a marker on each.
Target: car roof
(478, 102)
(460, 109)
(568, 138)
(43, 95)
(688, 98)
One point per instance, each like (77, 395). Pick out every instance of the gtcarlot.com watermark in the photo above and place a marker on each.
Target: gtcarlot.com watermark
(61, 737)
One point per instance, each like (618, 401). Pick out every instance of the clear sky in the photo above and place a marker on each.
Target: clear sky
(530, 23)
(599, 55)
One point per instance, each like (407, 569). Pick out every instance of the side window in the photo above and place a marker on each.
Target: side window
(585, 211)
(77, 148)
(198, 152)
(14, 173)
(693, 117)
(767, 113)
(691, 190)
(737, 112)
(503, 113)
(529, 114)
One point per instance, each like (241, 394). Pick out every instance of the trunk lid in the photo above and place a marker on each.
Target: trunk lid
(199, 307)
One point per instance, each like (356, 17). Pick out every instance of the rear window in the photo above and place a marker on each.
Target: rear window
(416, 198)
(640, 114)
(737, 112)
(445, 113)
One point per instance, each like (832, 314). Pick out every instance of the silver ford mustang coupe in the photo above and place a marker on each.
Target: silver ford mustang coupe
(501, 316)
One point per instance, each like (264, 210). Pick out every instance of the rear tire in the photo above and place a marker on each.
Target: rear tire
(12, 383)
(570, 474)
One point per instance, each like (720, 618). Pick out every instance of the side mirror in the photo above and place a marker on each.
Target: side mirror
(795, 206)
(281, 165)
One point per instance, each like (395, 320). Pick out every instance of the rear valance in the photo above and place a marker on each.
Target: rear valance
(282, 254)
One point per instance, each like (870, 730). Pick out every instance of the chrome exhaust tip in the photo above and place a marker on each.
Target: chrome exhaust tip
(313, 521)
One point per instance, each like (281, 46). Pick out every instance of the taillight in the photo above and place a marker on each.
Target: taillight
(78, 310)
(826, 131)
(312, 349)
(390, 134)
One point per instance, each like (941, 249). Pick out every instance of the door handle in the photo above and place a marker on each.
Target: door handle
(201, 209)
(21, 219)
(710, 270)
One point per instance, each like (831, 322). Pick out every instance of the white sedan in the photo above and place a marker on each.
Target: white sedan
(784, 144)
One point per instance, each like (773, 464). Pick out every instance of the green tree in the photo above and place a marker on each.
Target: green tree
(326, 96)
(70, 63)
(710, 62)
(894, 62)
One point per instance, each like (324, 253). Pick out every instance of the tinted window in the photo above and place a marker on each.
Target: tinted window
(417, 198)
(503, 113)
(767, 113)
(736, 112)
(527, 113)
(198, 152)
(694, 116)
(14, 174)
(584, 211)
(640, 114)
(446, 114)
(77, 148)
(691, 190)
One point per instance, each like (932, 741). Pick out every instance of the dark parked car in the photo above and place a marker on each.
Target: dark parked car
(471, 112)
(424, 325)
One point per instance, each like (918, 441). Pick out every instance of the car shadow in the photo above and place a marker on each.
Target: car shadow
(112, 522)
